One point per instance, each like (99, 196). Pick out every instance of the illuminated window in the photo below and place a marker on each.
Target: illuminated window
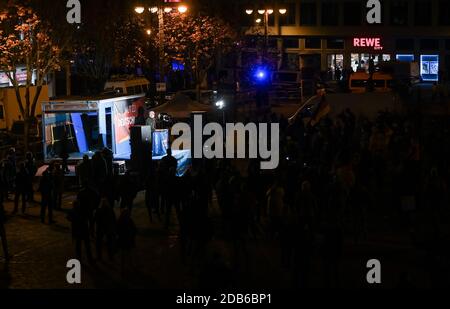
(429, 68)
(405, 57)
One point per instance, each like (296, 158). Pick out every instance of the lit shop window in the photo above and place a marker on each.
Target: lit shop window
(429, 68)
(405, 57)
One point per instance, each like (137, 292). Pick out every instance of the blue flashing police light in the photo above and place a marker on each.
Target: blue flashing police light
(261, 75)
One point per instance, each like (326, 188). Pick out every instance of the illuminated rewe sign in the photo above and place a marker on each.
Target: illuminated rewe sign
(374, 43)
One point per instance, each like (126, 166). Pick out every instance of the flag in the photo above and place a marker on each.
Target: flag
(322, 110)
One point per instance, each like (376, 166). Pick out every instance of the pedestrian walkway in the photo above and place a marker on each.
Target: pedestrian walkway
(40, 253)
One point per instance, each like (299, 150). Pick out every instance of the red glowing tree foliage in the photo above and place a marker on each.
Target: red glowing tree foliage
(25, 40)
(196, 41)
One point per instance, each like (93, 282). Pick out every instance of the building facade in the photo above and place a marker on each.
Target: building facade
(327, 34)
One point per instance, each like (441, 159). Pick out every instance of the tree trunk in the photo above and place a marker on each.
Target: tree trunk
(26, 134)
(198, 89)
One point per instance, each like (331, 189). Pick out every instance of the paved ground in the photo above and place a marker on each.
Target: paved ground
(40, 253)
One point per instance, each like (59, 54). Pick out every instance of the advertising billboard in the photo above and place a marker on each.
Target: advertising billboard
(125, 113)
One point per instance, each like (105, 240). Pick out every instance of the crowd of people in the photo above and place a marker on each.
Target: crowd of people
(335, 181)
(338, 180)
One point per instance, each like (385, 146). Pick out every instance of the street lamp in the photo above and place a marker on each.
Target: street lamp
(182, 9)
(139, 9)
(266, 12)
(160, 10)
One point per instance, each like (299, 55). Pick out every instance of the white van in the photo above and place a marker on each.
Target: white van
(128, 85)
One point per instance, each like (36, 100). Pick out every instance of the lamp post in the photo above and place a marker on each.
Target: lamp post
(265, 12)
(160, 9)
(262, 94)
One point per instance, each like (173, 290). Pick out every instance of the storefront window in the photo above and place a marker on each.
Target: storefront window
(429, 67)
(405, 57)
(335, 43)
(335, 65)
(355, 62)
(313, 43)
(290, 62)
(360, 62)
(291, 43)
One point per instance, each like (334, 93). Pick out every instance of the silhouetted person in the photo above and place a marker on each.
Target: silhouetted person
(108, 156)
(105, 226)
(126, 234)
(168, 167)
(338, 74)
(140, 119)
(128, 192)
(89, 201)
(58, 186)
(151, 195)
(100, 170)
(275, 202)
(30, 164)
(84, 171)
(10, 167)
(46, 190)
(216, 274)
(21, 189)
(3, 182)
(151, 120)
(2, 231)
(80, 230)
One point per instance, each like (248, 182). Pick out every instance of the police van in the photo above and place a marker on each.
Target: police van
(127, 85)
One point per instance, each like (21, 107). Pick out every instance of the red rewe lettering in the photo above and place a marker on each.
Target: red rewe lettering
(356, 42)
(370, 42)
(377, 43)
